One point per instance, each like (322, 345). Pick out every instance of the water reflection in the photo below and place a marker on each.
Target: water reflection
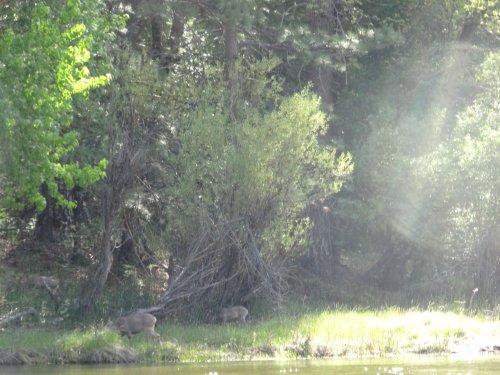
(398, 366)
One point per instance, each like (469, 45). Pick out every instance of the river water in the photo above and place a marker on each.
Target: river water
(479, 365)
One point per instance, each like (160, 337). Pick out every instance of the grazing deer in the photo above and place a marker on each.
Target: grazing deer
(135, 323)
(233, 313)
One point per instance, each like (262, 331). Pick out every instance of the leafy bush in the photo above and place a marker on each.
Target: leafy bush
(253, 159)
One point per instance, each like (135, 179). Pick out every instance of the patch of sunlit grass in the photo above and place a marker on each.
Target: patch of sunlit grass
(92, 339)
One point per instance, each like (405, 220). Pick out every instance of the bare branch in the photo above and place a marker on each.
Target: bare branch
(223, 267)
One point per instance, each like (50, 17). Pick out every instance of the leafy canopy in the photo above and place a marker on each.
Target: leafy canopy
(44, 62)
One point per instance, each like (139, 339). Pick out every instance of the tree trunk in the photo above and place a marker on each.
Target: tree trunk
(55, 223)
(96, 286)
(471, 23)
(174, 40)
(454, 83)
(230, 53)
(51, 222)
(166, 54)
(323, 256)
(487, 271)
(157, 37)
(126, 165)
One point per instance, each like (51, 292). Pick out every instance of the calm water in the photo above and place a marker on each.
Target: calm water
(435, 365)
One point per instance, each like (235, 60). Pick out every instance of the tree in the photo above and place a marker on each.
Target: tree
(398, 113)
(463, 182)
(45, 57)
(241, 177)
(253, 159)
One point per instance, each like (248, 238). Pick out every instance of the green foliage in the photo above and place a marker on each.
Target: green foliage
(411, 101)
(424, 136)
(463, 181)
(238, 11)
(490, 14)
(45, 60)
(262, 164)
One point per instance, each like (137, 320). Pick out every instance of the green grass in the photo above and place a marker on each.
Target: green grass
(328, 333)
(33, 339)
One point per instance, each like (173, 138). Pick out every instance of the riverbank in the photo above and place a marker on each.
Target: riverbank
(324, 334)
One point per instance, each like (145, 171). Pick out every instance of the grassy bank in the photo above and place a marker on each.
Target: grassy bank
(329, 333)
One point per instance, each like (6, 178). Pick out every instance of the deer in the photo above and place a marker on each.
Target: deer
(233, 313)
(134, 323)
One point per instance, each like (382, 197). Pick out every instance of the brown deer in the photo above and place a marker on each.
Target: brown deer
(135, 323)
(233, 313)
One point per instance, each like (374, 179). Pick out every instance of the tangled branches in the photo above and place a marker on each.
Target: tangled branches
(223, 267)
